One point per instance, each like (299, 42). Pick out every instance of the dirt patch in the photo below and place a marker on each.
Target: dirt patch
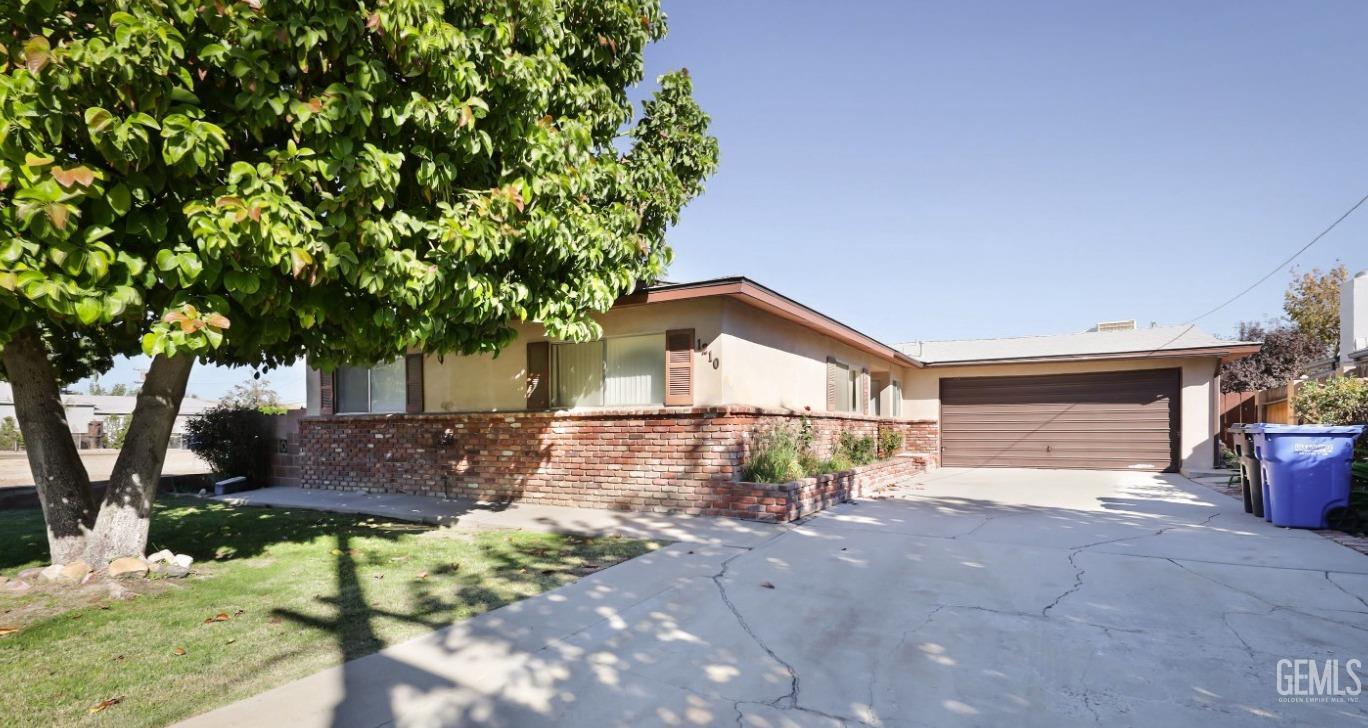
(45, 601)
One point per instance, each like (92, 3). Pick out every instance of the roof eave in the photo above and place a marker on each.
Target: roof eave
(1225, 353)
(758, 296)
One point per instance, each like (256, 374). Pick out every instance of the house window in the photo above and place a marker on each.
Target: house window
(371, 389)
(614, 372)
(895, 394)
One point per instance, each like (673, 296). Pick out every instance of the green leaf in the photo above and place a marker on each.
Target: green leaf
(97, 120)
(167, 260)
(241, 282)
(119, 199)
(88, 310)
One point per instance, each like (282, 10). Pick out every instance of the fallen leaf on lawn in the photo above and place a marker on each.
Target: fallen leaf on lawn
(8, 630)
(523, 570)
(767, 585)
(231, 641)
(105, 704)
(336, 552)
(590, 566)
(220, 617)
(239, 612)
(421, 575)
(178, 651)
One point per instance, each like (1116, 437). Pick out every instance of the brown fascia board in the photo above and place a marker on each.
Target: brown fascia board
(1225, 353)
(755, 295)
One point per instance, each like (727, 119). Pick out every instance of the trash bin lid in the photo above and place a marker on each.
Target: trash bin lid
(1271, 429)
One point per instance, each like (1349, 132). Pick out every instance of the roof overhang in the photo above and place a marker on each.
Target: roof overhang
(755, 295)
(1224, 353)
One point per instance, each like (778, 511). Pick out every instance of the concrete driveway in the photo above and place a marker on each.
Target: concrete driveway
(985, 597)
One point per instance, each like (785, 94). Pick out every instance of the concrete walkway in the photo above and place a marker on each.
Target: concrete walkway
(483, 516)
(984, 598)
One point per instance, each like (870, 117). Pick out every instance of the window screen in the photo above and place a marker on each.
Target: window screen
(375, 389)
(387, 387)
(579, 374)
(353, 389)
(616, 372)
(636, 370)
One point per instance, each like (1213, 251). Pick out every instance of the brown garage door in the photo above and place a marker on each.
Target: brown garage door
(1104, 420)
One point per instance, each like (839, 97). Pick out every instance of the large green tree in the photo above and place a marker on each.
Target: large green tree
(1312, 302)
(248, 182)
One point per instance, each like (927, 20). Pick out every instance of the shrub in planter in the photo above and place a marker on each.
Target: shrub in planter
(234, 440)
(890, 442)
(858, 449)
(774, 457)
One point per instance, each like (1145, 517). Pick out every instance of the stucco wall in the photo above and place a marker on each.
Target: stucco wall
(1198, 406)
(498, 383)
(767, 361)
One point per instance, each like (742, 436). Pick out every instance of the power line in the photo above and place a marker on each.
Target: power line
(1192, 323)
(1284, 264)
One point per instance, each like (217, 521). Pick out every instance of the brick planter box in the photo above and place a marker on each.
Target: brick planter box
(785, 502)
(663, 460)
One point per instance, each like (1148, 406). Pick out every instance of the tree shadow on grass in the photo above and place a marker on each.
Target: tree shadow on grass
(206, 530)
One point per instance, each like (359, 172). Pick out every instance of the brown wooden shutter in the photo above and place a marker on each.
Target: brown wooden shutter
(679, 368)
(538, 375)
(833, 373)
(326, 387)
(863, 405)
(413, 383)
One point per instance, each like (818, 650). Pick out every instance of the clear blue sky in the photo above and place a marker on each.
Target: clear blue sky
(976, 169)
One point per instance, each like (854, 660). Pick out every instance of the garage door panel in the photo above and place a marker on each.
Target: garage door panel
(1097, 420)
(1084, 409)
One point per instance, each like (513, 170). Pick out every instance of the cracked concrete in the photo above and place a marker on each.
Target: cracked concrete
(1036, 598)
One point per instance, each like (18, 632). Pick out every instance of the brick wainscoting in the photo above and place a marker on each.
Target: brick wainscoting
(657, 460)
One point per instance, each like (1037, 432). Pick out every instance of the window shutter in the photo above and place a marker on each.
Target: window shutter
(413, 383)
(679, 368)
(833, 383)
(326, 387)
(538, 375)
(863, 406)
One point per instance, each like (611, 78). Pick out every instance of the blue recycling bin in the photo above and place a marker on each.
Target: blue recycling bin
(1305, 471)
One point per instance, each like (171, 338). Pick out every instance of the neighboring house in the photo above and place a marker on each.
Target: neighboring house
(1353, 353)
(86, 413)
(664, 403)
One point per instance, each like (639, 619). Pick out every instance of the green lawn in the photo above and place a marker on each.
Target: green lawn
(301, 591)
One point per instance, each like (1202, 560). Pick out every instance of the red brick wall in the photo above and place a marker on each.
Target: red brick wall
(658, 460)
(283, 459)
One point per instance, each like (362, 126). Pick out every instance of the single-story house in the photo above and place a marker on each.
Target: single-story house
(86, 414)
(657, 413)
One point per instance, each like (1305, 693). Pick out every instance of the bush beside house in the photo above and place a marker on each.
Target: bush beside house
(1342, 401)
(234, 440)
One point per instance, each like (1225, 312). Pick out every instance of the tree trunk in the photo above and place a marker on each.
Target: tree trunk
(121, 527)
(58, 474)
